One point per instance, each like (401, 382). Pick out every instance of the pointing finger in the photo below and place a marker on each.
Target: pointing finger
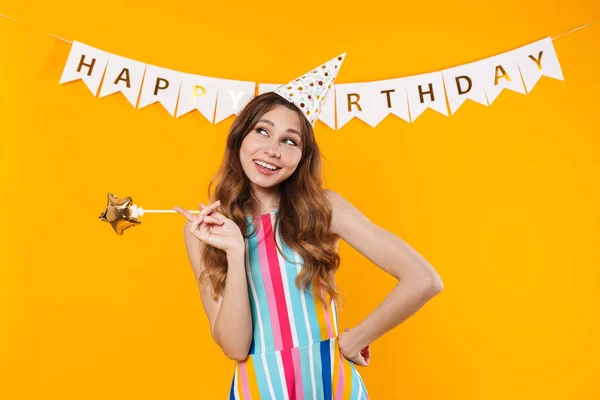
(205, 210)
(184, 212)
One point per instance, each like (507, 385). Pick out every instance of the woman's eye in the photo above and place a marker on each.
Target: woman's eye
(262, 129)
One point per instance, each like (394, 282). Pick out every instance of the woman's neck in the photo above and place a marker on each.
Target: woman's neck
(267, 201)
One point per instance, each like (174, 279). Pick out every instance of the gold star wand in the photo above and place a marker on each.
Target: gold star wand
(122, 215)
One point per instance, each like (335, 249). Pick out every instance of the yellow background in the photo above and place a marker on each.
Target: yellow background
(502, 200)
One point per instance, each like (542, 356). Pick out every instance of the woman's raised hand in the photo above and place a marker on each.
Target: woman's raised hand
(213, 228)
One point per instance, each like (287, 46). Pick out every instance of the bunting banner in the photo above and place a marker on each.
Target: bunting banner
(407, 98)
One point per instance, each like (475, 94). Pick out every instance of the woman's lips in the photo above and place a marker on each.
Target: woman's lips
(265, 171)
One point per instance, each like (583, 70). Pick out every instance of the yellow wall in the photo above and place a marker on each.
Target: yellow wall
(502, 200)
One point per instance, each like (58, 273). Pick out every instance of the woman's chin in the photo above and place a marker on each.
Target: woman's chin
(264, 183)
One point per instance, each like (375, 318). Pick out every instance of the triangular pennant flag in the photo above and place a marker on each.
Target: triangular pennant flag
(198, 93)
(162, 85)
(502, 72)
(125, 76)
(537, 59)
(465, 82)
(425, 91)
(267, 87)
(232, 97)
(86, 63)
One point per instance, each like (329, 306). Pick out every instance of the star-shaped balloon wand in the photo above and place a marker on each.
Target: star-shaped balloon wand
(122, 215)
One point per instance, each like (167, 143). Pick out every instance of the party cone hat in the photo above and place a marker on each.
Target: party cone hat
(309, 91)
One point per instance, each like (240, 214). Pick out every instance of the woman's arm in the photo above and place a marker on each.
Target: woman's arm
(229, 316)
(418, 280)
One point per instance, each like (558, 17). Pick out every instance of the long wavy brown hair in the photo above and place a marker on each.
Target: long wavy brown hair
(304, 212)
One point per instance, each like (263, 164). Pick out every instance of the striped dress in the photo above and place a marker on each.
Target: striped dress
(294, 352)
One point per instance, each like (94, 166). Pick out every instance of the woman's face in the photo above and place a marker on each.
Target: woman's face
(275, 140)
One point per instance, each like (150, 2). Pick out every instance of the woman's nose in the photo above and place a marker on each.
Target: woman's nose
(272, 152)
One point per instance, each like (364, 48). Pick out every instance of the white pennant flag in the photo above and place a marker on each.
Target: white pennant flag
(465, 82)
(233, 97)
(426, 91)
(162, 85)
(86, 63)
(267, 87)
(371, 102)
(125, 76)
(501, 72)
(198, 93)
(327, 115)
(537, 59)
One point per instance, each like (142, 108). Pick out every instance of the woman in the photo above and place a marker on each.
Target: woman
(265, 254)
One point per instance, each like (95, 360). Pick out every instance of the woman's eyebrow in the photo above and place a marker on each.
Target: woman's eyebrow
(266, 121)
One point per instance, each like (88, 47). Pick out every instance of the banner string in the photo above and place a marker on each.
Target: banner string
(576, 29)
(19, 22)
(68, 41)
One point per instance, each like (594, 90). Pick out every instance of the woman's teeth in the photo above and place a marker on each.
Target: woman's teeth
(262, 164)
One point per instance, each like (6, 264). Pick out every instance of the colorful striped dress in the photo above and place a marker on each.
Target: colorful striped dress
(294, 352)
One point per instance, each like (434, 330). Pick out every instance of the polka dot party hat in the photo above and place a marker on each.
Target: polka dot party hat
(309, 91)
